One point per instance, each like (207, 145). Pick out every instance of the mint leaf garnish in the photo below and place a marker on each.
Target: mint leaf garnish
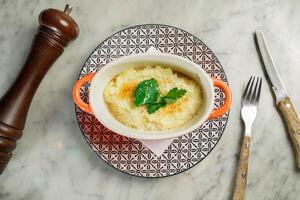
(147, 93)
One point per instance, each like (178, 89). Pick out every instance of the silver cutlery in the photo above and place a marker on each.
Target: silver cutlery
(250, 101)
(283, 101)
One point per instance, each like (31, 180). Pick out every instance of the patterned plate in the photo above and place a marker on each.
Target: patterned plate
(129, 155)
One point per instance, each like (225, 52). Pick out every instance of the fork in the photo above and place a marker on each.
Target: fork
(250, 101)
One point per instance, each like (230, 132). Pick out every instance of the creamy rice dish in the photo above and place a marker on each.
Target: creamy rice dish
(119, 97)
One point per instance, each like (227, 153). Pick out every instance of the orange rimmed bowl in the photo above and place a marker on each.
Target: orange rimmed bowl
(99, 80)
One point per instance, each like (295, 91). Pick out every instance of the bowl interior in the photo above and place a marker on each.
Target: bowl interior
(177, 63)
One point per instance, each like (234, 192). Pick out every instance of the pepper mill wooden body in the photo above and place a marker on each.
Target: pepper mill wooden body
(56, 30)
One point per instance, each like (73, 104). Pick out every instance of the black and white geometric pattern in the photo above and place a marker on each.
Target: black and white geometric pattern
(129, 155)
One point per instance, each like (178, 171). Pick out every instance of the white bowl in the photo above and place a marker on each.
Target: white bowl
(99, 80)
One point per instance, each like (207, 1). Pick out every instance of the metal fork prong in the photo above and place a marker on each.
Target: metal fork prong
(259, 91)
(249, 92)
(253, 94)
(246, 89)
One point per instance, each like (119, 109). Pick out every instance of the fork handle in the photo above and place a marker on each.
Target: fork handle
(293, 125)
(242, 171)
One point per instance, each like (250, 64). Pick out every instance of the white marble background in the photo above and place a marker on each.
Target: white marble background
(52, 160)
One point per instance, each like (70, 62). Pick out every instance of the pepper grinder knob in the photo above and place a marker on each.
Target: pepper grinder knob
(59, 24)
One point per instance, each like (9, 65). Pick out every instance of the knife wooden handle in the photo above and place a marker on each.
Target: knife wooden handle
(242, 171)
(293, 124)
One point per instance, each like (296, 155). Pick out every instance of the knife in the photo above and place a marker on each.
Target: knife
(283, 101)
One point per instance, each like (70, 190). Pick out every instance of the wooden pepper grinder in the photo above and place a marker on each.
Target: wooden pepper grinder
(56, 30)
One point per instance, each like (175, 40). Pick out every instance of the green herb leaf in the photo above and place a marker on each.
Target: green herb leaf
(146, 92)
(152, 108)
(168, 100)
(176, 93)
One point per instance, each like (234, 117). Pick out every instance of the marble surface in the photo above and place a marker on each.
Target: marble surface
(52, 160)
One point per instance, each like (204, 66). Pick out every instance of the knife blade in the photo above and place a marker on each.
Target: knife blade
(277, 85)
(283, 101)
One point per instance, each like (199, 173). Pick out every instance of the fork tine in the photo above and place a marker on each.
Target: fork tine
(253, 94)
(249, 92)
(246, 89)
(259, 91)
